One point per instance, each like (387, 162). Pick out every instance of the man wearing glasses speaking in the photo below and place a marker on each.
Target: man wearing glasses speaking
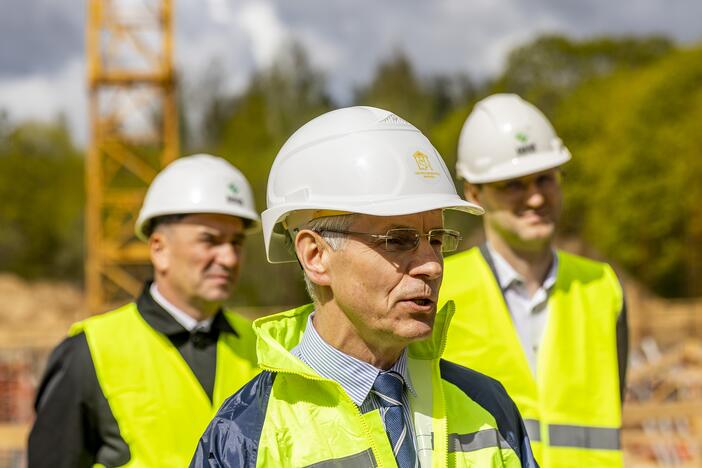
(355, 379)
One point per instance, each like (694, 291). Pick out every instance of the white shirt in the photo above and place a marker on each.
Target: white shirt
(181, 317)
(529, 314)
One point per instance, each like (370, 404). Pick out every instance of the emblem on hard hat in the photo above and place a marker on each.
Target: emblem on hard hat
(234, 196)
(424, 165)
(525, 147)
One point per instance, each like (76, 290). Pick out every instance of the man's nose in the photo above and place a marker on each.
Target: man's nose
(428, 261)
(534, 195)
(228, 254)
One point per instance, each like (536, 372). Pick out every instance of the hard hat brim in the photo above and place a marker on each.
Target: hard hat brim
(250, 217)
(516, 167)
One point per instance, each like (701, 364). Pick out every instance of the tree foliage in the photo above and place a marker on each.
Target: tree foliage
(634, 183)
(547, 69)
(41, 214)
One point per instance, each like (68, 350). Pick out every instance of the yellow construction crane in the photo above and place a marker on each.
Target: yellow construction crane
(134, 133)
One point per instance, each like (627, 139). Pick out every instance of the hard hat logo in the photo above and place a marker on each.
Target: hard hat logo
(525, 148)
(233, 197)
(424, 165)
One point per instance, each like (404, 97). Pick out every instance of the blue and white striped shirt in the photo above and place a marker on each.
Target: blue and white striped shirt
(356, 377)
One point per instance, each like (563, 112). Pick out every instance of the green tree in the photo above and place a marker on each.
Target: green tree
(633, 186)
(41, 214)
(547, 69)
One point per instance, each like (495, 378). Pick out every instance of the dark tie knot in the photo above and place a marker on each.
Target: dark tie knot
(389, 387)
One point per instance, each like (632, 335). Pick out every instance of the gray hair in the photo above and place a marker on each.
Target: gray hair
(335, 240)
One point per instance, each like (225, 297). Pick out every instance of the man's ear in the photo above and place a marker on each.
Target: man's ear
(159, 251)
(471, 192)
(313, 254)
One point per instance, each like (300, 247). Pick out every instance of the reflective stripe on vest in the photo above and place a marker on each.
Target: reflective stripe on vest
(476, 441)
(578, 380)
(533, 428)
(364, 459)
(598, 438)
(563, 435)
(159, 405)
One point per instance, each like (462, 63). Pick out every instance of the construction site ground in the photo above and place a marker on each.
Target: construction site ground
(662, 413)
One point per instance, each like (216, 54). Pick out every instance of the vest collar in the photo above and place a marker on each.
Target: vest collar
(277, 334)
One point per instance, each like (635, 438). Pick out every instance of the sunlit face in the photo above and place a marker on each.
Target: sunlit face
(523, 211)
(198, 257)
(390, 297)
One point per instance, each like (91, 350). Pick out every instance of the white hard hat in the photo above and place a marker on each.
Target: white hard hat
(198, 184)
(506, 137)
(355, 160)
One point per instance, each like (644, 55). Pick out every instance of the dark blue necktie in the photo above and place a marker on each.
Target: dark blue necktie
(389, 387)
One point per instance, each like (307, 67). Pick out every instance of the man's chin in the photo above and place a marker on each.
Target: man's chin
(538, 234)
(220, 294)
(417, 330)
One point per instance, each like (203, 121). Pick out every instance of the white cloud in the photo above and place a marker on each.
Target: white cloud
(44, 97)
(220, 11)
(265, 30)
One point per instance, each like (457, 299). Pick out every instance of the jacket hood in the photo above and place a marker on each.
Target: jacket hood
(277, 334)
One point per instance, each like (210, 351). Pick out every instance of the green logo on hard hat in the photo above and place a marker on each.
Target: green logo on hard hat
(235, 197)
(524, 146)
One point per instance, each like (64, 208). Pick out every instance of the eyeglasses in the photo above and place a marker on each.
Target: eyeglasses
(405, 239)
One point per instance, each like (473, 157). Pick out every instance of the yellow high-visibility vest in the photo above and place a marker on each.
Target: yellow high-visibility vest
(572, 409)
(159, 405)
(290, 416)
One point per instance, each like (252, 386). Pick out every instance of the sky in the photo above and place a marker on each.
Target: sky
(42, 55)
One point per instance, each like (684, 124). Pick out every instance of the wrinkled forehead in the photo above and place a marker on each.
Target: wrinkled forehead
(422, 221)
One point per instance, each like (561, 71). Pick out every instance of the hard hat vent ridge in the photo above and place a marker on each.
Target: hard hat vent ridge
(395, 120)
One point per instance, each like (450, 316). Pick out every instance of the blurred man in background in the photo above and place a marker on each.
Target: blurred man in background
(138, 385)
(549, 325)
(356, 196)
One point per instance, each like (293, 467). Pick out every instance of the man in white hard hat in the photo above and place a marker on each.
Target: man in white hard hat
(356, 196)
(138, 385)
(550, 326)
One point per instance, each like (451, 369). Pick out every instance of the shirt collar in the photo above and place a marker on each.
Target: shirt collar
(507, 276)
(356, 377)
(163, 322)
(185, 320)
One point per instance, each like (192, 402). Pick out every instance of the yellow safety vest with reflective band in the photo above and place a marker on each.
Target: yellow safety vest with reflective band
(291, 416)
(159, 405)
(572, 409)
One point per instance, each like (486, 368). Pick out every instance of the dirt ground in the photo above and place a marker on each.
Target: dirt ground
(32, 310)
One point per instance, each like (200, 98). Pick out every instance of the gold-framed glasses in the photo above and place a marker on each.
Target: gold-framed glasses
(406, 239)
